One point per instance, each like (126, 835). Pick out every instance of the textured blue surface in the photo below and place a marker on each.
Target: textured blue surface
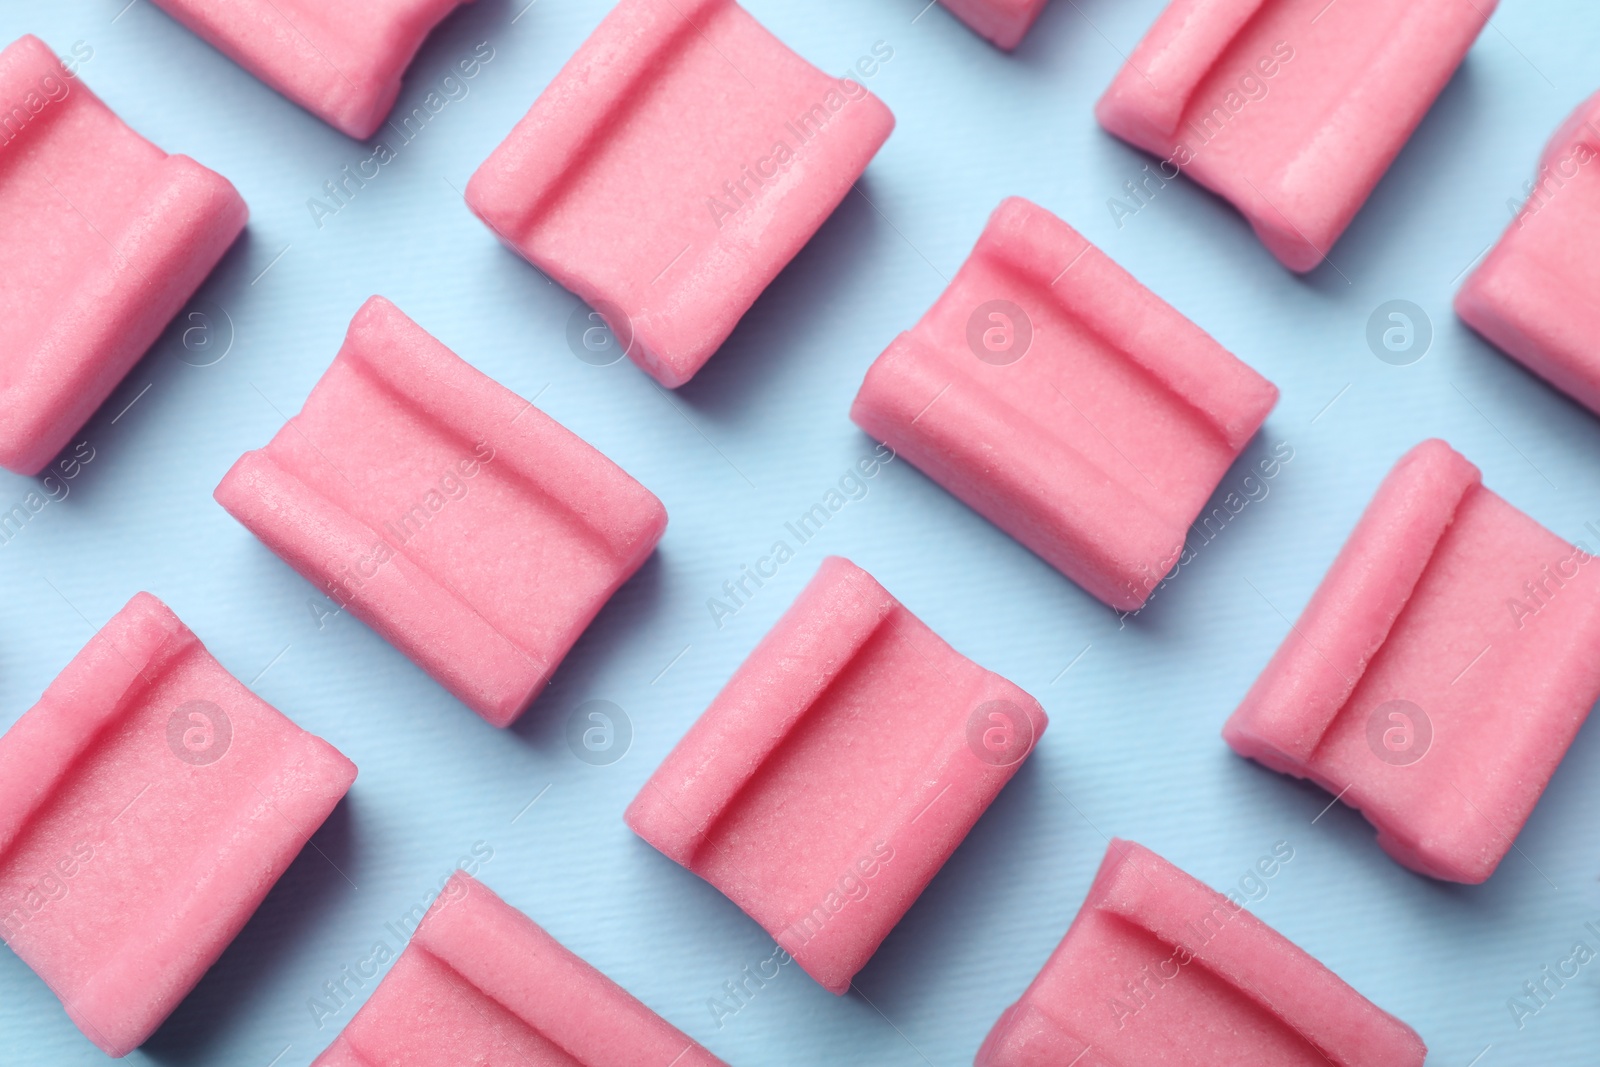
(759, 436)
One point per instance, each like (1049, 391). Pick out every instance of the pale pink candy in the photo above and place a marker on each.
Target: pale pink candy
(148, 802)
(1158, 970)
(837, 771)
(1290, 109)
(648, 178)
(1004, 22)
(105, 238)
(1536, 295)
(480, 982)
(1449, 598)
(341, 60)
(474, 532)
(1101, 439)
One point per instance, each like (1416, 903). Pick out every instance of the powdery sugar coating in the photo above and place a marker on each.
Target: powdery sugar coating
(675, 165)
(148, 802)
(837, 771)
(105, 237)
(474, 532)
(1096, 440)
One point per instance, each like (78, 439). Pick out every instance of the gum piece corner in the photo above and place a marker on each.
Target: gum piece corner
(1003, 23)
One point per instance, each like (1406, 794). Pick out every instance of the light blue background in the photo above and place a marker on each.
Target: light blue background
(761, 433)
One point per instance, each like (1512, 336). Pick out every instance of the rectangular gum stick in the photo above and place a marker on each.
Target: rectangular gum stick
(134, 232)
(564, 189)
(480, 977)
(90, 761)
(1301, 158)
(1217, 985)
(710, 799)
(570, 525)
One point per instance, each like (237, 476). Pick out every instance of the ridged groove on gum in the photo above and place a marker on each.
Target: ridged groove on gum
(316, 520)
(75, 339)
(182, 931)
(1266, 976)
(1525, 298)
(349, 76)
(1017, 466)
(1146, 103)
(1311, 676)
(767, 702)
(565, 1006)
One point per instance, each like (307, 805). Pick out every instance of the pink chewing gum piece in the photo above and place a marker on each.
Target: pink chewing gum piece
(480, 982)
(148, 802)
(837, 771)
(673, 167)
(1158, 970)
(1533, 296)
(340, 60)
(1439, 672)
(1066, 403)
(1290, 109)
(475, 533)
(1003, 22)
(106, 238)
